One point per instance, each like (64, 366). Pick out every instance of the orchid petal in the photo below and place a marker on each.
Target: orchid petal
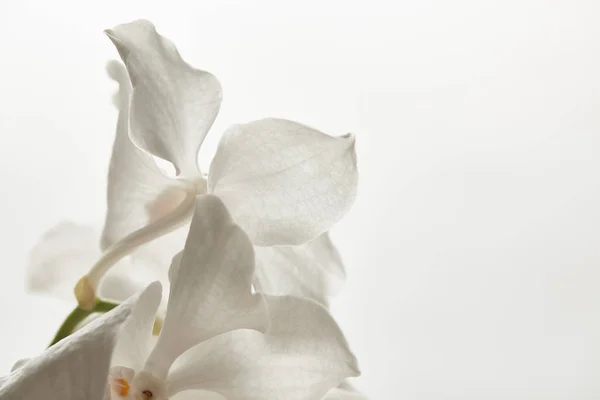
(61, 257)
(302, 356)
(76, 367)
(134, 181)
(134, 342)
(284, 182)
(173, 105)
(210, 286)
(64, 254)
(313, 270)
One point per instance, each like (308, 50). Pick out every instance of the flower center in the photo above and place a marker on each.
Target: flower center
(124, 383)
(120, 386)
(118, 382)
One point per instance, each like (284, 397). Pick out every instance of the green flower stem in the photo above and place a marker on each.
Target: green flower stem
(78, 315)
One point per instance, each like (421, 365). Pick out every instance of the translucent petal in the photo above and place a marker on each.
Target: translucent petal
(302, 356)
(173, 105)
(134, 343)
(64, 254)
(284, 182)
(75, 368)
(134, 181)
(314, 270)
(61, 257)
(210, 286)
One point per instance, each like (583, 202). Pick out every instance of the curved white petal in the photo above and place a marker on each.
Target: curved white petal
(343, 394)
(64, 254)
(314, 270)
(302, 356)
(75, 368)
(134, 181)
(284, 182)
(173, 105)
(134, 343)
(210, 286)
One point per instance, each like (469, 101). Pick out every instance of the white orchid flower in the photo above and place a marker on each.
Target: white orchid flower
(284, 183)
(75, 368)
(219, 337)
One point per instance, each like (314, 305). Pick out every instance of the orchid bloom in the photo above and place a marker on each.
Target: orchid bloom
(284, 183)
(219, 337)
(76, 367)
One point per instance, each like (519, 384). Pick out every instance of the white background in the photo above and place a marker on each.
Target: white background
(473, 250)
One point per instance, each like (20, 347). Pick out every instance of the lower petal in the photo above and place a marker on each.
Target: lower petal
(75, 367)
(211, 290)
(302, 356)
(134, 343)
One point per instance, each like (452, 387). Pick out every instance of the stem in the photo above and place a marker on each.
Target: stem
(77, 316)
(168, 223)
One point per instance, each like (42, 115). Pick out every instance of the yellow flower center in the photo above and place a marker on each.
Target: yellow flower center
(120, 386)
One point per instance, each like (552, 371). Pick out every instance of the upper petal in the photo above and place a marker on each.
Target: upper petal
(314, 270)
(75, 368)
(173, 105)
(134, 180)
(134, 343)
(302, 356)
(284, 182)
(210, 286)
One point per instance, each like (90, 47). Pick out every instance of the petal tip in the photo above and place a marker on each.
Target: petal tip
(350, 139)
(111, 35)
(353, 367)
(155, 286)
(217, 208)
